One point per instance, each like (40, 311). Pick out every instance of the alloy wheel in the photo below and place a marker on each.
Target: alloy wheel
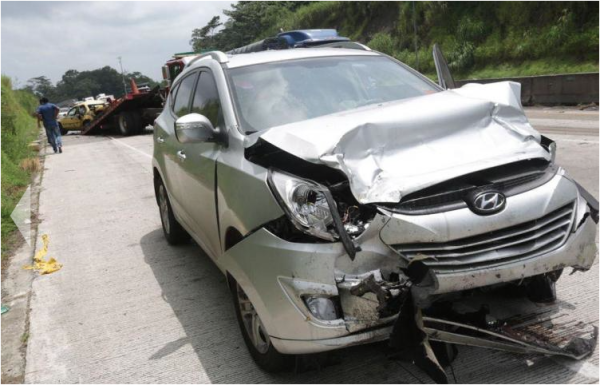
(163, 205)
(254, 327)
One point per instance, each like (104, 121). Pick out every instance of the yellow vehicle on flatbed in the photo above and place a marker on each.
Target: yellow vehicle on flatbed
(81, 115)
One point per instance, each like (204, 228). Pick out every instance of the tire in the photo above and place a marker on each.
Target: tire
(262, 351)
(127, 123)
(174, 233)
(139, 123)
(86, 124)
(63, 132)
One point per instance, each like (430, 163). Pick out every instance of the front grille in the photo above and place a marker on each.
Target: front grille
(510, 179)
(498, 247)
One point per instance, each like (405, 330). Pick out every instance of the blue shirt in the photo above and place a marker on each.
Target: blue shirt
(48, 111)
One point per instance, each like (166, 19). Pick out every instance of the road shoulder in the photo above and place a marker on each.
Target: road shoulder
(16, 294)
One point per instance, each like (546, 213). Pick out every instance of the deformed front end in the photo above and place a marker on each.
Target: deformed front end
(403, 221)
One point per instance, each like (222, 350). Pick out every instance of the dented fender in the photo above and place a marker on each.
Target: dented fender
(269, 270)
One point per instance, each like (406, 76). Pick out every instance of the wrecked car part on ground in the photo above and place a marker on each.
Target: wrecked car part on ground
(413, 333)
(335, 186)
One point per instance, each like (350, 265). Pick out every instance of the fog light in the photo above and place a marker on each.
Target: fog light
(322, 308)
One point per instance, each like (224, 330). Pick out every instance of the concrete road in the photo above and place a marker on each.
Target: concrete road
(126, 307)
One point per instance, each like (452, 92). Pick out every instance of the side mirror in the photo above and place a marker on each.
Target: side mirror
(194, 128)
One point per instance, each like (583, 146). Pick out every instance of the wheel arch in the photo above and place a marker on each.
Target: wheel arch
(232, 237)
(157, 179)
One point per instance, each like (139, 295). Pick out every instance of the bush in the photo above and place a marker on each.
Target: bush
(475, 36)
(382, 42)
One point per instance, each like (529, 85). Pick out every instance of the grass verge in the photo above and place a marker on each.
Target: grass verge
(19, 161)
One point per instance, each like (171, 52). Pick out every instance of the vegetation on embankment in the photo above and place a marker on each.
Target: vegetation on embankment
(18, 160)
(479, 39)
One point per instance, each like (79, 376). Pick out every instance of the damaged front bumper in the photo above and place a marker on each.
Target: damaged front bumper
(579, 251)
(367, 292)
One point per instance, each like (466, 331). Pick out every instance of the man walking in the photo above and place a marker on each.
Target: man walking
(47, 113)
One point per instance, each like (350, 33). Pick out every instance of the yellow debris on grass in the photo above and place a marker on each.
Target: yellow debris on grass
(39, 264)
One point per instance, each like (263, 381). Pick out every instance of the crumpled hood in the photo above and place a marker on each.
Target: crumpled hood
(390, 150)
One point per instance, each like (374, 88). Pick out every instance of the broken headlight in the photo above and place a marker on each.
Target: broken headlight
(304, 202)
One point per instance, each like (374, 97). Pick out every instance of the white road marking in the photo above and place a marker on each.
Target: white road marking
(131, 147)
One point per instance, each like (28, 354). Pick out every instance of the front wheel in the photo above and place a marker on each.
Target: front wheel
(255, 335)
(63, 132)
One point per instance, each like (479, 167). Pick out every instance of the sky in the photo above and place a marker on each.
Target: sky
(48, 38)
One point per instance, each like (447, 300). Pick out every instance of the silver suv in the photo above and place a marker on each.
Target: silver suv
(329, 185)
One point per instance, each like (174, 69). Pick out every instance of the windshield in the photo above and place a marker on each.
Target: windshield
(274, 94)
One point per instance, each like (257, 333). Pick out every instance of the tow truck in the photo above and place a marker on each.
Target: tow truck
(129, 114)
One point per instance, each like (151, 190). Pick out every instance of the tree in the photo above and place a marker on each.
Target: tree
(40, 86)
(140, 78)
(247, 22)
(213, 24)
(203, 38)
(78, 85)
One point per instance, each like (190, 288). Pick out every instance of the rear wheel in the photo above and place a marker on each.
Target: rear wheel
(255, 335)
(174, 233)
(139, 122)
(128, 124)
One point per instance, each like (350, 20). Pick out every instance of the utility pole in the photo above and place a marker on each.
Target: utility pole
(122, 76)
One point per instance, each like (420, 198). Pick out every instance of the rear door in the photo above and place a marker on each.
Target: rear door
(198, 176)
(445, 79)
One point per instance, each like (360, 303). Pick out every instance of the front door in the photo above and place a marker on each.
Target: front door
(174, 158)
(70, 120)
(197, 176)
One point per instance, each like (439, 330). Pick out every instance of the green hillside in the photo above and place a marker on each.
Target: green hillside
(18, 130)
(480, 39)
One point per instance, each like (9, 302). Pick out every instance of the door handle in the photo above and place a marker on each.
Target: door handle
(160, 139)
(181, 155)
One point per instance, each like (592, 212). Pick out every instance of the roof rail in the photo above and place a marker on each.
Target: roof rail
(217, 55)
(345, 44)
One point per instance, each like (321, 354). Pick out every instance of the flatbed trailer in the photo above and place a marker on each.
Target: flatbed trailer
(130, 114)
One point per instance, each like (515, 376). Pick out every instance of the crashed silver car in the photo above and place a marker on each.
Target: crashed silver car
(338, 189)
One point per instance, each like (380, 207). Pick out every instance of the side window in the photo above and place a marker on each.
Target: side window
(173, 93)
(184, 92)
(73, 111)
(206, 99)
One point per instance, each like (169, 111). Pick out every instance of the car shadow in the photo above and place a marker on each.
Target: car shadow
(199, 297)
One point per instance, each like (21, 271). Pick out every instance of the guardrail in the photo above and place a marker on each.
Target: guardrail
(566, 89)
